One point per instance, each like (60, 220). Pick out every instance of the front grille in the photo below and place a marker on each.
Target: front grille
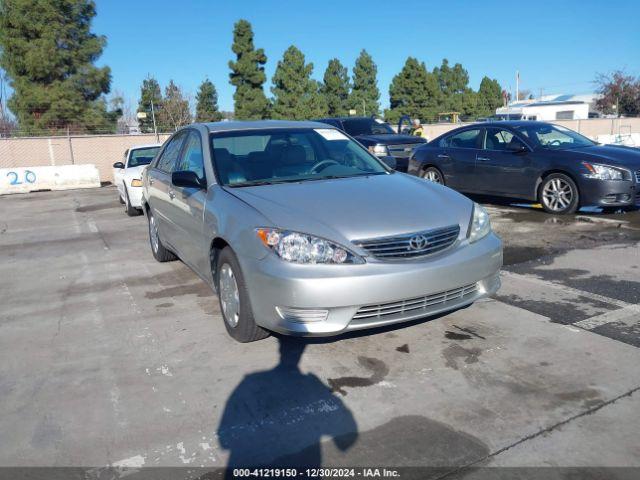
(402, 150)
(411, 245)
(638, 176)
(412, 306)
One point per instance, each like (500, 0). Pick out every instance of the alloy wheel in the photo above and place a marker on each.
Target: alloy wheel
(432, 175)
(557, 194)
(153, 233)
(229, 295)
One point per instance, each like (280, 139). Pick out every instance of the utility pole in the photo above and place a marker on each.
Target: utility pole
(364, 108)
(517, 85)
(153, 116)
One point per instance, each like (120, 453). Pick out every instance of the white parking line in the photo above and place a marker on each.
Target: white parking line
(566, 289)
(608, 317)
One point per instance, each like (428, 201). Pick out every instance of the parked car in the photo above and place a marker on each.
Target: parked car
(379, 138)
(301, 230)
(535, 161)
(127, 176)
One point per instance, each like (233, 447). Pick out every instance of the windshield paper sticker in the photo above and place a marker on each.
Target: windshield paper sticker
(330, 134)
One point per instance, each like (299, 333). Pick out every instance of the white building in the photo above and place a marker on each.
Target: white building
(550, 107)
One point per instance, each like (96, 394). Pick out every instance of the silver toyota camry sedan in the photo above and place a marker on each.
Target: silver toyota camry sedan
(300, 230)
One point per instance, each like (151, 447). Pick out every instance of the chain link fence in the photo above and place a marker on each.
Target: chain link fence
(104, 150)
(100, 150)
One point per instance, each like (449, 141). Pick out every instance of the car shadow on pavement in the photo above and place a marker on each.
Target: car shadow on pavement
(278, 417)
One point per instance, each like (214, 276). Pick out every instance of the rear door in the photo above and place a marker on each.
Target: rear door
(160, 185)
(459, 151)
(187, 206)
(499, 168)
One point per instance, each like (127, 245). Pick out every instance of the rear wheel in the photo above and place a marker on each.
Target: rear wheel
(160, 253)
(234, 300)
(432, 174)
(558, 194)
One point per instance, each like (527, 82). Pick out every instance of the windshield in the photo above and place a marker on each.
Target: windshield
(142, 156)
(554, 137)
(259, 157)
(366, 126)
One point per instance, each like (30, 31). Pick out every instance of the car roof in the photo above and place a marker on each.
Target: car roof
(511, 123)
(261, 125)
(342, 119)
(146, 145)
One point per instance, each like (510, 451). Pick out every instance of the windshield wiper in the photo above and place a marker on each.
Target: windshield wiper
(255, 183)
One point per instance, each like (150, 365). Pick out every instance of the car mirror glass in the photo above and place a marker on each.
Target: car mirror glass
(185, 178)
(118, 165)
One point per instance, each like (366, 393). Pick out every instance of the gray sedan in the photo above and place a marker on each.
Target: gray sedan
(302, 231)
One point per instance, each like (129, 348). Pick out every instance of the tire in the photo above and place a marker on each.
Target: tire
(433, 174)
(234, 300)
(120, 199)
(128, 209)
(160, 253)
(558, 194)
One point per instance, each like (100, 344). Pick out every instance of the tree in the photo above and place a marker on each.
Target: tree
(48, 51)
(335, 88)
(247, 75)
(454, 85)
(620, 93)
(414, 92)
(207, 103)
(175, 108)
(365, 96)
(149, 92)
(489, 97)
(296, 95)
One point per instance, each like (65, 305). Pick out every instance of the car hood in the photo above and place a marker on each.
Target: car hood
(348, 209)
(615, 155)
(391, 139)
(134, 172)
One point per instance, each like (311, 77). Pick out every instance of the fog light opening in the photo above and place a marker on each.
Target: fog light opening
(302, 315)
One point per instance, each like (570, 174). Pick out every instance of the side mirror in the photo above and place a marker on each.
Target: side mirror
(186, 178)
(118, 165)
(390, 162)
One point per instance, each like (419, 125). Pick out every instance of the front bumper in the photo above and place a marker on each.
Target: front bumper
(347, 290)
(604, 193)
(135, 196)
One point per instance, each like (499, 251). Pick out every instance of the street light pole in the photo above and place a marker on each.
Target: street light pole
(153, 116)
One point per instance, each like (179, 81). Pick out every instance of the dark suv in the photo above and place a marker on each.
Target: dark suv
(379, 138)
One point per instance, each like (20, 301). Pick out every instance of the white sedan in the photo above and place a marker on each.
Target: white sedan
(127, 176)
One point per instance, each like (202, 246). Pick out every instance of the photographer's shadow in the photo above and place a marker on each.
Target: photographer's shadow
(278, 417)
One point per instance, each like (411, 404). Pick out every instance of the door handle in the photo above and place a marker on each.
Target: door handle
(443, 155)
(483, 159)
(172, 194)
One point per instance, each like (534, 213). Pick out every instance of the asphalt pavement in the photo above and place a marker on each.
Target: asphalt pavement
(108, 358)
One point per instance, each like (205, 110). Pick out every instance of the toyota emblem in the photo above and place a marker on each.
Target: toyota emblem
(418, 242)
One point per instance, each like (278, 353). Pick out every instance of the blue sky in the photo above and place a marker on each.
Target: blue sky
(556, 45)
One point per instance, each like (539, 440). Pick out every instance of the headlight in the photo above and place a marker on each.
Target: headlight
(302, 248)
(379, 150)
(480, 223)
(136, 182)
(602, 172)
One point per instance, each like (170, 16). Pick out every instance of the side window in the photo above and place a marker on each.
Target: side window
(464, 139)
(497, 139)
(191, 158)
(170, 153)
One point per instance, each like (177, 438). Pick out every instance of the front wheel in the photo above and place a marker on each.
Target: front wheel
(558, 194)
(128, 209)
(234, 300)
(432, 174)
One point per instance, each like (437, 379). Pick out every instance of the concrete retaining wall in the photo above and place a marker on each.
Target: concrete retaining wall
(65, 177)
